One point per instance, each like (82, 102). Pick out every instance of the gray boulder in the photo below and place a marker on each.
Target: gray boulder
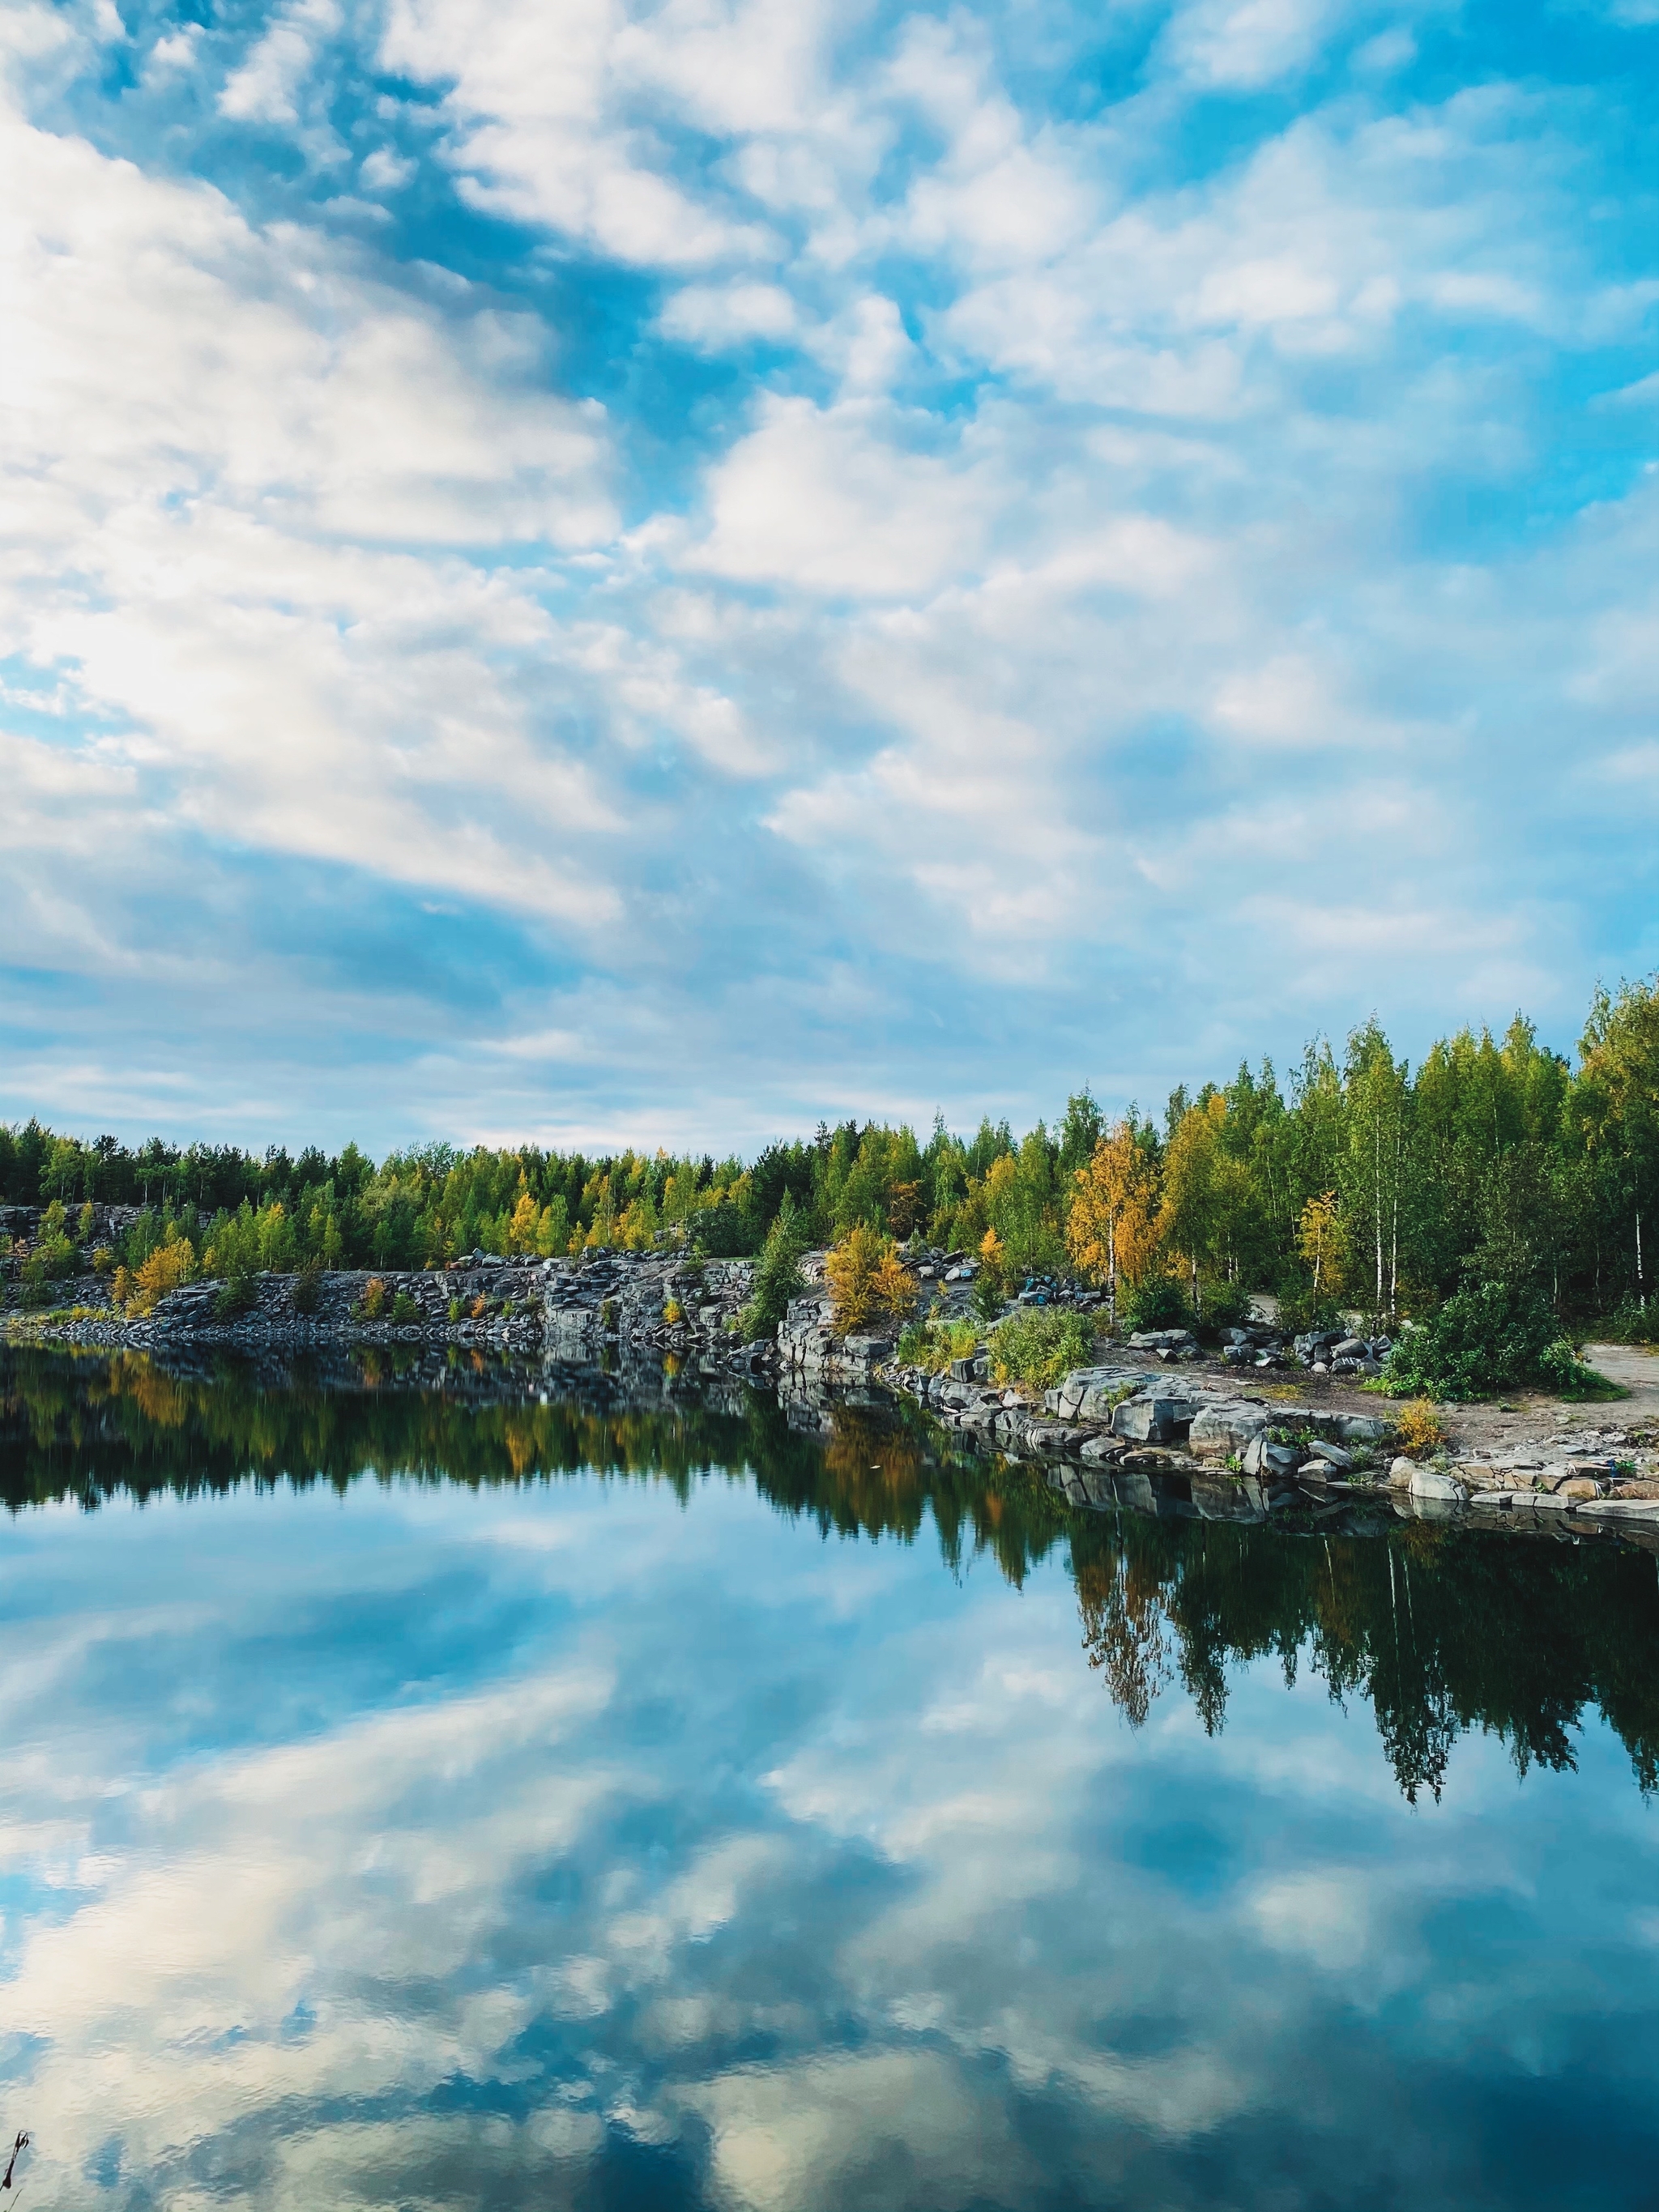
(1220, 1430)
(1428, 1483)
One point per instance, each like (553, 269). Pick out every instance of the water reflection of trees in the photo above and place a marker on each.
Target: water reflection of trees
(1441, 1631)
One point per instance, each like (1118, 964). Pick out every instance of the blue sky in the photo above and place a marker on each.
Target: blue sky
(592, 571)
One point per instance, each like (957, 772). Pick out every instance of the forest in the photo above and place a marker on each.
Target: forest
(1361, 1182)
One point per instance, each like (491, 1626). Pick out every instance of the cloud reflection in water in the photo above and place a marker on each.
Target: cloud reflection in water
(574, 1847)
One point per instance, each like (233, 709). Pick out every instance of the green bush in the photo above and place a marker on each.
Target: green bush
(724, 1231)
(235, 1297)
(934, 1344)
(1159, 1301)
(1300, 1310)
(1632, 1322)
(1486, 1337)
(1226, 1305)
(307, 1289)
(1562, 1368)
(778, 1277)
(403, 1308)
(1039, 1345)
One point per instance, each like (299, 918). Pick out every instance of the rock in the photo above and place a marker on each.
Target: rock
(1163, 1340)
(1401, 1472)
(1098, 1450)
(1361, 1428)
(1428, 1483)
(1351, 1347)
(1218, 1430)
(1155, 1419)
(1333, 1454)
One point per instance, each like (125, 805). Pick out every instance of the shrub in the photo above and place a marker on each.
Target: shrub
(102, 1259)
(724, 1231)
(866, 1274)
(894, 1286)
(778, 1278)
(308, 1288)
(1562, 1368)
(372, 1305)
(1418, 1429)
(121, 1289)
(673, 1312)
(1156, 1302)
(235, 1297)
(454, 1309)
(1039, 1345)
(479, 1307)
(1632, 1322)
(987, 1296)
(166, 1268)
(1301, 1308)
(1226, 1305)
(934, 1344)
(1488, 1336)
(404, 1308)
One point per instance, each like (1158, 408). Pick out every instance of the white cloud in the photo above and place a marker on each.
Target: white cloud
(266, 87)
(816, 498)
(1242, 45)
(387, 172)
(713, 316)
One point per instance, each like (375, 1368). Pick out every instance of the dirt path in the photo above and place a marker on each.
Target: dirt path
(1635, 1369)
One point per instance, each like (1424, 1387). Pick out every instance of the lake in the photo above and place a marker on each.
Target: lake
(577, 1794)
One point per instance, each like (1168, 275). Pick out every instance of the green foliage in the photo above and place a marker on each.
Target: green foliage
(1630, 1322)
(1039, 1345)
(404, 1307)
(934, 1344)
(372, 1304)
(1156, 1302)
(778, 1278)
(1226, 1305)
(307, 1289)
(1488, 1337)
(725, 1231)
(1563, 1369)
(1300, 1309)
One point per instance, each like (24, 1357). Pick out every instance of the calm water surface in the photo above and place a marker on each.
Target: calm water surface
(408, 1803)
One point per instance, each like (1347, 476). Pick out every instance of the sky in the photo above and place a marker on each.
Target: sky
(590, 571)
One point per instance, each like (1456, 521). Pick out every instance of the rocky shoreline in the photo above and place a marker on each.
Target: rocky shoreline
(1155, 1417)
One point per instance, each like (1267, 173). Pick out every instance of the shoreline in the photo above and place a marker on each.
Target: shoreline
(1241, 1442)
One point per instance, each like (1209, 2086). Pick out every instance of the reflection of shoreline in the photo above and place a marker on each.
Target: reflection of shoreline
(1441, 1630)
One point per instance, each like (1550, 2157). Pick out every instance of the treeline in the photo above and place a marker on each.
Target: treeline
(1360, 1182)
